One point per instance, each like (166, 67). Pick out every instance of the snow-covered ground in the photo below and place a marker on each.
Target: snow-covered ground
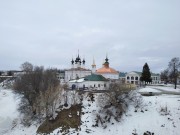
(168, 88)
(147, 89)
(150, 119)
(8, 111)
(9, 115)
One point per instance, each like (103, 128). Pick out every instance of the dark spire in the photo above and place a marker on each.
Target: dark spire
(106, 60)
(78, 59)
(83, 61)
(72, 61)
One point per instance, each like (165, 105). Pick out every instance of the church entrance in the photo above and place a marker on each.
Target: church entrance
(73, 87)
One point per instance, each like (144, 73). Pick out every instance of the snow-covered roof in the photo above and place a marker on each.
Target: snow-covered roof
(77, 81)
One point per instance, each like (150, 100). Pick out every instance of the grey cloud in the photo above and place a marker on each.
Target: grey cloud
(49, 33)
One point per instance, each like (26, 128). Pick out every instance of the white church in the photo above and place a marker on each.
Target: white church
(80, 77)
(77, 70)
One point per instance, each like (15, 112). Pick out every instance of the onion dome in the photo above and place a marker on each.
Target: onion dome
(78, 58)
(83, 61)
(106, 68)
(106, 60)
(72, 61)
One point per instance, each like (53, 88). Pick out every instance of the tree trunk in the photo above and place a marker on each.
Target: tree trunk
(175, 83)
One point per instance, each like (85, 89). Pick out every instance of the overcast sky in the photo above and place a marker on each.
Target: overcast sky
(50, 32)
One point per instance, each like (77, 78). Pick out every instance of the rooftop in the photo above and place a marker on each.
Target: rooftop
(94, 77)
(107, 70)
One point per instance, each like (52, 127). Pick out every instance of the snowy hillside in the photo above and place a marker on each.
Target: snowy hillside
(159, 114)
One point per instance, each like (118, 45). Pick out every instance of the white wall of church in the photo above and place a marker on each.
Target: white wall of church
(73, 74)
(110, 76)
(92, 85)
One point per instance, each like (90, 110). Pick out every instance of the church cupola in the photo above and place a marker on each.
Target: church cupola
(106, 64)
(78, 58)
(83, 63)
(78, 62)
(72, 63)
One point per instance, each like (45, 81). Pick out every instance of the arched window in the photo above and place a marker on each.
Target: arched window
(132, 77)
(127, 77)
(136, 78)
(73, 86)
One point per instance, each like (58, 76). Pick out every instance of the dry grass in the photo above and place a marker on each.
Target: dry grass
(66, 119)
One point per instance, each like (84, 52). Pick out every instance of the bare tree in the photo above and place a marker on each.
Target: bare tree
(164, 75)
(40, 88)
(174, 66)
(50, 92)
(27, 67)
(115, 102)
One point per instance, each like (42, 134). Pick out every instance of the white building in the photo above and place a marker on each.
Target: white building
(156, 79)
(178, 79)
(91, 82)
(107, 71)
(77, 70)
(134, 78)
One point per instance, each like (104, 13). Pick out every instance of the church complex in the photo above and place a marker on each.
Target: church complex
(79, 77)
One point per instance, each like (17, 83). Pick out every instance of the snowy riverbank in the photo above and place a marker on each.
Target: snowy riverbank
(152, 117)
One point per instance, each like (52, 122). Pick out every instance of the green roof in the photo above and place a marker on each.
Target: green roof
(94, 77)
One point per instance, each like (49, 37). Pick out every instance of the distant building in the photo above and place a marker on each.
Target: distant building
(134, 78)
(178, 80)
(155, 78)
(61, 75)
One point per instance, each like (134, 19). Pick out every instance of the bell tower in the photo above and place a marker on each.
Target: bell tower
(93, 66)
